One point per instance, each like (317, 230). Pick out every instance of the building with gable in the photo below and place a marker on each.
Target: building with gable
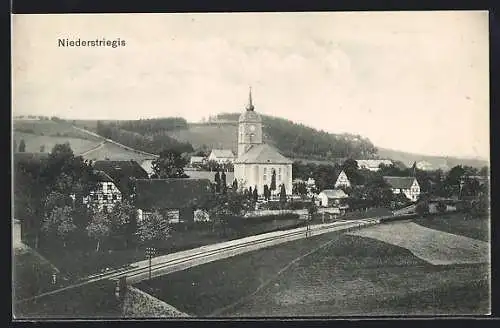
(176, 197)
(407, 185)
(122, 173)
(332, 197)
(256, 161)
(342, 181)
(107, 193)
(221, 156)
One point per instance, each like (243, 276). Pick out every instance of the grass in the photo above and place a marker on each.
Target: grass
(78, 263)
(96, 300)
(208, 287)
(50, 128)
(31, 275)
(460, 224)
(352, 276)
(34, 142)
(115, 153)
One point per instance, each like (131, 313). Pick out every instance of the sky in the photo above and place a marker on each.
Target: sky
(410, 81)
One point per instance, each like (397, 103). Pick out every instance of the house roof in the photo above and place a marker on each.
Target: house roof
(197, 159)
(400, 182)
(263, 154)
(121, 172)
(225, 153)
(334, 193)
(101, 176)
(373, 163)
(193, 174)
(171, 193)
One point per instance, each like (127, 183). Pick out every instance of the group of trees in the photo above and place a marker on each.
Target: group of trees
(300, 141)
(52, 201)
(153, 142)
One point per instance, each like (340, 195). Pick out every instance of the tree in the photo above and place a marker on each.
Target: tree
(22, 146)
(235, 185)
(42, 148)
(217, 182)
(282, 194)
(153, 228)
(99, 228)
(255, 194)
(273, 181)
(300, 188)
(266, 192)
(123, 222)
(223, 182)
(453, 180)
(422, 208)
(250, 192)
(59, 223)
(441, 207)
(170, 164)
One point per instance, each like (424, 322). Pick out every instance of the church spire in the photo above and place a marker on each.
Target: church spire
(250, 104)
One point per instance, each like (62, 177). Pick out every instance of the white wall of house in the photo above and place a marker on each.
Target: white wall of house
(106, 195)
(342, 181)
(251, 175)
(412, 193)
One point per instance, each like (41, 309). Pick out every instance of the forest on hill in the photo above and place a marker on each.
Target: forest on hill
(299, 141)
(292, 139)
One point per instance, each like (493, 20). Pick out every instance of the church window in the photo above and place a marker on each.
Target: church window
(279, 174)
(265, 176)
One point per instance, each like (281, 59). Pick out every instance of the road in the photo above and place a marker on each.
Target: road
(165, 264)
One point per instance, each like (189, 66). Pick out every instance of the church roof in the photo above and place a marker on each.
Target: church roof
(263, 154)
(250, 116)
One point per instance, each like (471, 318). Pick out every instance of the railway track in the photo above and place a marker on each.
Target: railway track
(132, 275)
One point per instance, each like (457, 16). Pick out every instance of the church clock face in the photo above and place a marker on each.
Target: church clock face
(252, 128)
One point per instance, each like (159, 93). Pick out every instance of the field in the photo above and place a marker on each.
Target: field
(352, 275)
(31, 274)
(434, 246)
(34, 142)
(213, 136)
(477, 228)
(91, 301)
(115, 153)
(78, 263)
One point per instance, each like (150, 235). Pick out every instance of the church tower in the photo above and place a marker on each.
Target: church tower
(249, 128)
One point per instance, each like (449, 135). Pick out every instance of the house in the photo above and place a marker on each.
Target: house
(373, 164)
(107, 193)
(221, 156)
(342, 181)
(332, 197)
(177, 197)
(147, 165)
(122, 173)
(197, 160)
(407, 185)
(257, 161)
(424, 166)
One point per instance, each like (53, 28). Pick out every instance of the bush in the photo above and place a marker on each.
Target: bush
(422, 208)
(441, 207)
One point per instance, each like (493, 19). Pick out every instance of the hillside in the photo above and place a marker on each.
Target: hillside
(437, 162)
(294, 140)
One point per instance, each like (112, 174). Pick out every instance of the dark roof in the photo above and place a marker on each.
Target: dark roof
(209, 175)
(102, 176)
(121, 172)
(400, 182)
(171, 193)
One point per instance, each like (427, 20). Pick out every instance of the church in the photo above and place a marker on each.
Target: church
(256, 161)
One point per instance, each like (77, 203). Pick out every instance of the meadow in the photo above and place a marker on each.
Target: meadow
(344, 275)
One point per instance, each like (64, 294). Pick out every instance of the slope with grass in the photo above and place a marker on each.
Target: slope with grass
(349, 275)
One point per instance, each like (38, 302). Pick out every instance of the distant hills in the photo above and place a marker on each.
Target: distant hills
(295, 141)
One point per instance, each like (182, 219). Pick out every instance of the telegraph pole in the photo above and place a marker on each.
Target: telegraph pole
(150, 252)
